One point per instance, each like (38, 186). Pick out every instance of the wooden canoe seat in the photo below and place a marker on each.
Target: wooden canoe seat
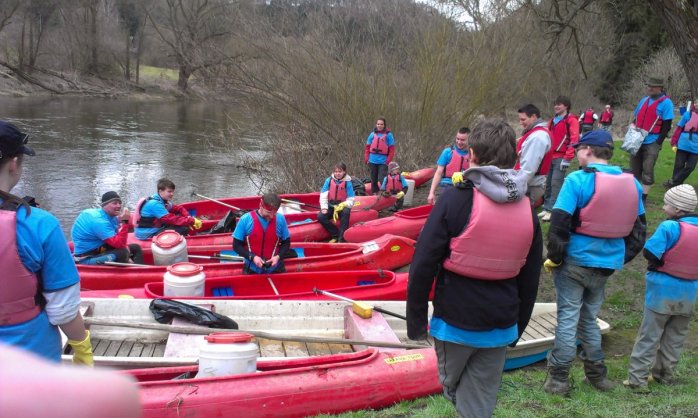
(375, 328)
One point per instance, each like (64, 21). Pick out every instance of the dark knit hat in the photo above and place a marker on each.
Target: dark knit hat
(682, 197)
(393, 166)
(109, 197)
(13, 141)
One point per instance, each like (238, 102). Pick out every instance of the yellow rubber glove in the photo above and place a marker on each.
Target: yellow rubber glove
(549, 265)
(400, 195)
(197, 223)
(405, 173)
(674, 148)
(82, 351)
(457, 177)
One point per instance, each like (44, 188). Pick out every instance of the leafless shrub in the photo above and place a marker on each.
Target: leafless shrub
(667, 65)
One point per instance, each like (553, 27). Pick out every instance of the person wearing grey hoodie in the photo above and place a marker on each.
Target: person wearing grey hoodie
(476, 316)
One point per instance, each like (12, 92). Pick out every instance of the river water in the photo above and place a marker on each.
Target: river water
(87, 146)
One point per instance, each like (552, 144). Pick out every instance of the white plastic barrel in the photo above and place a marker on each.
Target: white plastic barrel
(227, 353)
(184, 279)
(407, 201)
(169, 247)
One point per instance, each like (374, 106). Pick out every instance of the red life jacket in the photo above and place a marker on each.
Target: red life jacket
(606, 117)
(692, 125)
(647, 117)
(260, 242)
(19, 287)
(379, 144)
(588, 118)
(479, 252)
(560, 134)
(544, 166)
(338, 190)
(393, 183)
(680, 260)
(612, 209)
(458, 163)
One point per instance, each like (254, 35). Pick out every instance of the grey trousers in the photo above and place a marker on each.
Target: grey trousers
(658, 344)
(470, 376)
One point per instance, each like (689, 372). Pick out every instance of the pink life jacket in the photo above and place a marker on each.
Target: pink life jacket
(692, 125)
(680, 260)
(647, 117)
(544, 166)
(479, 253)
(18, 286)
(458, 163)
(606, 117)
(588, 118)
(338, 191)
(379, 144)
(260, 242)
(612, 209)
(393, 183)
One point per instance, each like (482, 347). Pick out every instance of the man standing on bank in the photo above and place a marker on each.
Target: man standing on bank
(452, 160)
(534, 150)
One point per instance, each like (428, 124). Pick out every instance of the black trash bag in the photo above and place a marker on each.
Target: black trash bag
(226, 224)
(164, 310)
(359, 186)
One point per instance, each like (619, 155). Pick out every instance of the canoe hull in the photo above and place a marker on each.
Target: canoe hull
(407, 223)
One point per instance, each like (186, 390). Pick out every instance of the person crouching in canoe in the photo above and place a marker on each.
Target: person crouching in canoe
(336, 201)
(261, 237)
(485, 291)
(100, 234)
(157, 213)
(394, 184)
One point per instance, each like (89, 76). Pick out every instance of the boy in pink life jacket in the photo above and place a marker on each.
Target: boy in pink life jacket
(670, 295)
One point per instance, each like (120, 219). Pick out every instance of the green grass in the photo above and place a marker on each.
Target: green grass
(521, 393)
(147, 71)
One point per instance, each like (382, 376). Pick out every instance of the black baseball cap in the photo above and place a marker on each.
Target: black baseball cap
(13, 141)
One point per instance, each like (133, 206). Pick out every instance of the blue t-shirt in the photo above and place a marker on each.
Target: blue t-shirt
(42, 247)
(379, 158)
(403, 183)
(445, 158)
(688, 142)
(665, 110)
(497, 337)
(244, 228)
(91, 229)
(156, 208)
(584, 250)
(665, 293)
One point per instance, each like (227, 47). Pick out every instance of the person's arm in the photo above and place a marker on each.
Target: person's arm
(404, 184)
(573, 132)
(528, 279)
(532, 154)
(664, 237)
(391, 154)
(636, 239)
(664, 131)
(435, 183)
(179, 210)
(350, 195)
(561, 219)
(120, 239)
(176, 220)
(324, 193)
(384, 184)
(240, 247)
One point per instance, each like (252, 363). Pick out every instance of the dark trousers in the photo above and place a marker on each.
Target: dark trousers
(684, 164)
(642, 163)
(378, 173)
(181, 229)
(325, 220)
(118, 255)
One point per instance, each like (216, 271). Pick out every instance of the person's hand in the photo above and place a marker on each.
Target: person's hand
(197, 223)
(550, 265)
(400, 195)
(430, 198)
(257, 260)
(125, 215)
(564, 165)
(674, 148)
(405, 173)
(82, 351)
(274, 260)
(457, 177)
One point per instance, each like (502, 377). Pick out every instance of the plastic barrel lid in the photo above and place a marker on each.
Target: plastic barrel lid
(185, 269)
(168, 239)
(228, 337)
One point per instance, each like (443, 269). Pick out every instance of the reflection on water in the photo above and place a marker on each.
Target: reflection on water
(87, 146)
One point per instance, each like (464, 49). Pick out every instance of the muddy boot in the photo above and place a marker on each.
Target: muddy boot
(596, 373)
(558, 380)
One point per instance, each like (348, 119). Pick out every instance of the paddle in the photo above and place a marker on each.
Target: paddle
(116, 264)
(216, 201)
(358, 307)
(217, 257)
(198, 330)
(300, 203)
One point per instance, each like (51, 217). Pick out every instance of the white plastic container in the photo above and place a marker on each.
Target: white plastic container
(227, 353)
(169, 247)
(184, 279)
(407, 200)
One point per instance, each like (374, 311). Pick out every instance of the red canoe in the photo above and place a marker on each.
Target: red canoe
(357, 285)
(406, 223)
(387, 252)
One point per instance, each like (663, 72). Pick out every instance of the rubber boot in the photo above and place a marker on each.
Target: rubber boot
(596, 373)
(558, 380)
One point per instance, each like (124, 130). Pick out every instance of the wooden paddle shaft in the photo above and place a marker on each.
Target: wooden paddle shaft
(217, 201)
(198, 330)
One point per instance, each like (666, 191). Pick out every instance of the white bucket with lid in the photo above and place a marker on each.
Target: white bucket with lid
(184, 279)
(407, 200)
(227, 353)
(169, 247)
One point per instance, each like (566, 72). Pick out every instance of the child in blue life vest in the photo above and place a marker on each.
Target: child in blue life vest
(670, 296)
(394, 184)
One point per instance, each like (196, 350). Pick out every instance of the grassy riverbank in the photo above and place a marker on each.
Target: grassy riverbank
(521, 393)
